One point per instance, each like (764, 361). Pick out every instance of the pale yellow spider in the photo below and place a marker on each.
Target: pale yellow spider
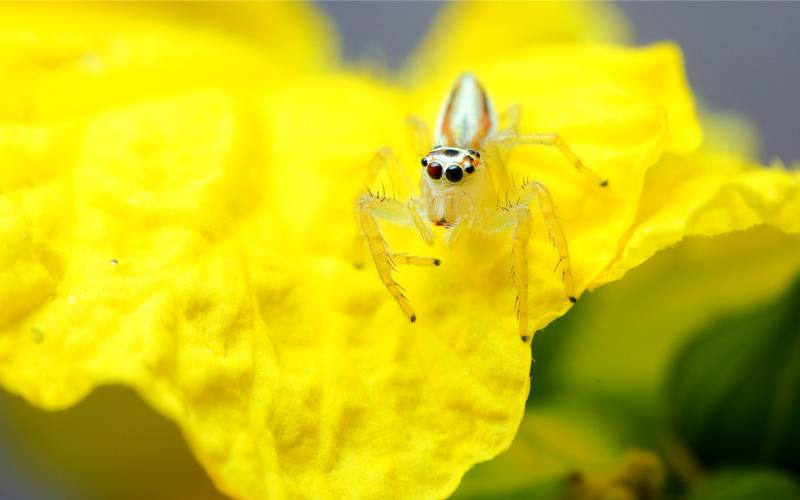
(458, 189)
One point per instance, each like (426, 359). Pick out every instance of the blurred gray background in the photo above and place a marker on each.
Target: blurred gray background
(739, 56)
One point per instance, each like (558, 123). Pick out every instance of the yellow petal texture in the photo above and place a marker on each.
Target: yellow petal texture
(208, 266)
(64, 60)
(176, 215)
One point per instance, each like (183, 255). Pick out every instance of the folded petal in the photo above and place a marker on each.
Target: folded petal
(705, 195)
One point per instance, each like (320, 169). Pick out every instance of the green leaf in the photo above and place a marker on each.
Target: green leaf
(564, 449)
(733, 391)
(747, 485)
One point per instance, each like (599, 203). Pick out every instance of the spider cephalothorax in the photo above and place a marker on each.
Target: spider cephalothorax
(457, 192)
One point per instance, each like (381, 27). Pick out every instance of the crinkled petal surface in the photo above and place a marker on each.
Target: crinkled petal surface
(192, 237)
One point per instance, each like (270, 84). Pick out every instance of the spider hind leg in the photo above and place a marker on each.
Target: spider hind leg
(518, 216)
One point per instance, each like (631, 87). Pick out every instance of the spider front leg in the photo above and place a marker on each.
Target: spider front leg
(384, 158)
(518, 216)
(371, 208)
(552, 140)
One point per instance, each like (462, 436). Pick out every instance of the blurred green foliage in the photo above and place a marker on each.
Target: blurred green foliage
(747, 484)
(111, 445)
(734, 390)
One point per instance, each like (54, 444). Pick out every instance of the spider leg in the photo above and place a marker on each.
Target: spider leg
(420, 135)
(547, 209)
(423, 229)
(518, 216)
(413, 260)
(371, 209)
(384, 158)
(511, 119)
(551, 140)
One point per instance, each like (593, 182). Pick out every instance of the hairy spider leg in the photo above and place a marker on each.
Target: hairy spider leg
(372, 208)
(384, 158)
(551, 140)
(518, 215)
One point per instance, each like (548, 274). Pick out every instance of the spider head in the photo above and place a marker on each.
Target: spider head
(450, 165)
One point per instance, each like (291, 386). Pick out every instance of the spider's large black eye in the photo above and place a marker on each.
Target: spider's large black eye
(454, 173)
(434, 171)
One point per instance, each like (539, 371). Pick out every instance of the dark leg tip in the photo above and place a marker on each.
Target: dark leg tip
(413, 318)
(573, 299)
(525, 338)
(604, 183)
(436, 262)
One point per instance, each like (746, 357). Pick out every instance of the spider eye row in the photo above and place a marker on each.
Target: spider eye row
(453, 173)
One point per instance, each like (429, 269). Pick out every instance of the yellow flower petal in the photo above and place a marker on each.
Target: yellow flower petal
(62, 61)
(467, 33)
(706, 194)
(210, 269)
(193, 239)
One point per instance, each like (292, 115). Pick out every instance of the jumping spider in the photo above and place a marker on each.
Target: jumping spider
(457, 191)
